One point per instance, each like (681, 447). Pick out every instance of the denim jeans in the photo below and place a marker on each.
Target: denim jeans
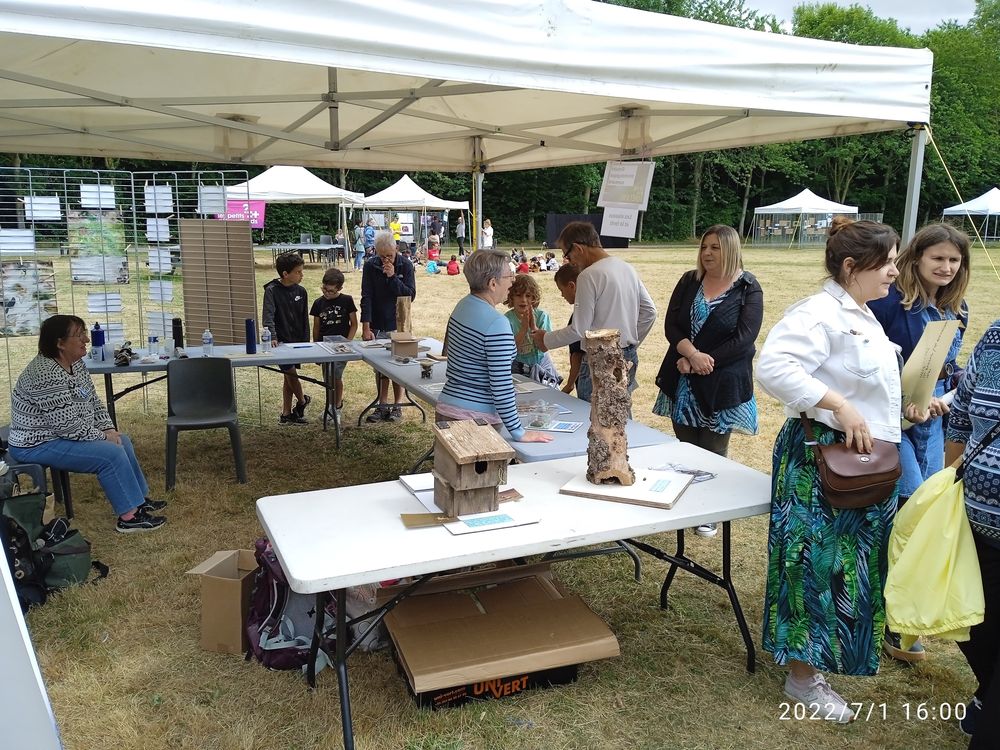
(359, 259)
(116, 466)
(921, 451)
(584, 385)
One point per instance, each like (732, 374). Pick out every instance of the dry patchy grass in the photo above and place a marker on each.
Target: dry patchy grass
(124, 670)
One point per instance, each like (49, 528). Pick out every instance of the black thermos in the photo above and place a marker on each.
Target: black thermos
(178, 332)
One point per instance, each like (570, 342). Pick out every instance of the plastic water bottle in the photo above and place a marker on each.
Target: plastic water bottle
(206, 343)
(265, 339)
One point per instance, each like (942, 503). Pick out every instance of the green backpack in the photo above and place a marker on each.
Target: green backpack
(42, 558)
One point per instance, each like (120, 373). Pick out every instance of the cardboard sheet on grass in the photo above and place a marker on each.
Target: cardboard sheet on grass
(489, 634)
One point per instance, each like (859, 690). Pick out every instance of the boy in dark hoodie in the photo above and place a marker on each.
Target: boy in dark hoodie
(286, 314)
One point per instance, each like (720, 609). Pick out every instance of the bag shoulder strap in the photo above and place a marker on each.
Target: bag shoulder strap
(807, 425)
(990, 436)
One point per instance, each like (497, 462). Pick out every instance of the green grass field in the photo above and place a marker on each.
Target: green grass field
(124, 670)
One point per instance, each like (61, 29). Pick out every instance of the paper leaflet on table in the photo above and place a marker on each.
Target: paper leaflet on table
(652, 488)
(920, 373)
(698, 475)
(421, 486)
(553, 425)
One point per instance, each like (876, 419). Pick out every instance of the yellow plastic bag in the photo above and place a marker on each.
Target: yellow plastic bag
(934, 585)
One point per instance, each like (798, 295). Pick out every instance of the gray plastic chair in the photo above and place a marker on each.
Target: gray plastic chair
(60, 477)
(201, 395)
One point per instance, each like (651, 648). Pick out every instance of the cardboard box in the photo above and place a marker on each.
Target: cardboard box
(226, 584)
(518, 631)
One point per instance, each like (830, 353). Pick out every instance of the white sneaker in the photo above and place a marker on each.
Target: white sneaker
(822, 700)
(706, 529)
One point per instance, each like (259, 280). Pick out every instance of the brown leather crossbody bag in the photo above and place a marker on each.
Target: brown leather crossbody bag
(851, 479)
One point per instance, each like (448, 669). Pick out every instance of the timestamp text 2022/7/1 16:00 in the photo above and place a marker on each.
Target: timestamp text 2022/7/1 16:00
(790, 711)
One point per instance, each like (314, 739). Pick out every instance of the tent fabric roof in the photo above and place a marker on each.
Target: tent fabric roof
(516, 85)
(282, 184)
(806, 202)
(988, 203)
(405, 193)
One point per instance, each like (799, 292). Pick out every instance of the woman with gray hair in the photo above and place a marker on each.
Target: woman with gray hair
(480, 351)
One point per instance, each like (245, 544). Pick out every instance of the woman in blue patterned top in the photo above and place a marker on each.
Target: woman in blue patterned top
(480, 348)
(976, 411)
(58, 420)
(712, 321)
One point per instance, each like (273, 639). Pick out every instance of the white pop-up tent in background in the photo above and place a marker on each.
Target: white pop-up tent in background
(984, 211)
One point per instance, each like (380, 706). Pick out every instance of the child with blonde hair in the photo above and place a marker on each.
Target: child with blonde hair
(524, 316)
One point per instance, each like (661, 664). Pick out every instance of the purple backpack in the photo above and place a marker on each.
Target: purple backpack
(280, 622)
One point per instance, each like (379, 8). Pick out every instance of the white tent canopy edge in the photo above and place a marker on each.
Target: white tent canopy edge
(552, 82)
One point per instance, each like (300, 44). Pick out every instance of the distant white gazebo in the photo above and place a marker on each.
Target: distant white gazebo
(799, 220)
(983, 212)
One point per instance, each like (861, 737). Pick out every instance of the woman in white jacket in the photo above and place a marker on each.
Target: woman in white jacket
(828, 356)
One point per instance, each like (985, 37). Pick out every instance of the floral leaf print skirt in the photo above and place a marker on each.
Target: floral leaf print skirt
(826, 568)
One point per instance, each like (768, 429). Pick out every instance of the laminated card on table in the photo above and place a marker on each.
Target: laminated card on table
(652, 488)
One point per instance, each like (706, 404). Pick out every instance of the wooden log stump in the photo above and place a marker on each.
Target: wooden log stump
(607, 453)
(404, 323)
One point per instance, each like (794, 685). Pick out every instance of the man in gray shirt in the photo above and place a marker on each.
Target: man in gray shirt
(609, 294)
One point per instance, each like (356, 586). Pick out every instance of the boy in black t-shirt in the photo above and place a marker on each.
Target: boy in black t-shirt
(335, 314)
(285, 306)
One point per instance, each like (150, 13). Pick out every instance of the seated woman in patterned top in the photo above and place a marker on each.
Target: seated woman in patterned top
(58, 420)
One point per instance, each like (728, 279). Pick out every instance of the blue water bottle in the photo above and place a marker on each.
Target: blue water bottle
(97, 343)
(251, 325)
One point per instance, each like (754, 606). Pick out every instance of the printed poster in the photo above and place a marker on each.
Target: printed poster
(29, 296)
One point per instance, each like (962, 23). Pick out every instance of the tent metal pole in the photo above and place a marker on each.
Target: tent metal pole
(913, 183)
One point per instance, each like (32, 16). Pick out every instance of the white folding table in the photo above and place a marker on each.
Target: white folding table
(329, 540)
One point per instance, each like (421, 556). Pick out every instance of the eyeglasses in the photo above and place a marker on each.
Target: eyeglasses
(329, 289)
(568, 251)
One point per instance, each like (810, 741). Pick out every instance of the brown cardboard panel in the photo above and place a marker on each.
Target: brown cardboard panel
(424, 610)
(557, 633)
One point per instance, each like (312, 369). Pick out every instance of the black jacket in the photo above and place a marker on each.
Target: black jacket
(728, 335)
(286, 311)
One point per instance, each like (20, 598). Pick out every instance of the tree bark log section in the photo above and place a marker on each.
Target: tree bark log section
(404, 323)
(607, 453)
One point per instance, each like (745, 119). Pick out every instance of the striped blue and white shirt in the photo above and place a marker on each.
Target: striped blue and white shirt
(480, 351)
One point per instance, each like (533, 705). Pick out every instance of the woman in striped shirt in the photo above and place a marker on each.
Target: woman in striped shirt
(480, 349)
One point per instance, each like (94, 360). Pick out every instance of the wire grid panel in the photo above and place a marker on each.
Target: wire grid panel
(100, 244)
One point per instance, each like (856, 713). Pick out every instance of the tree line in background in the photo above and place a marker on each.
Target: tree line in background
(696, 190)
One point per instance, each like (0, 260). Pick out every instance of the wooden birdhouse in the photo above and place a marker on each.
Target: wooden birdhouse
(470, 462)
(404, 344)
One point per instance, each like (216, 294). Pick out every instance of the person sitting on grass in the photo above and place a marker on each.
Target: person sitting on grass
(432, 267)
(334, 314)
(453, 269)
(286, 305)
(551, 264)
(57, 420)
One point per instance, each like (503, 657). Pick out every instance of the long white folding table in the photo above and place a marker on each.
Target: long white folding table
(329, 540)
(563, 444)
(284, 354)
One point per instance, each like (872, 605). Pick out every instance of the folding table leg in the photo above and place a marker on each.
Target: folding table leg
(345, 699)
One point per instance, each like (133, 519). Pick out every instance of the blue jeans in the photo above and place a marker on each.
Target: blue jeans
(584, 386)
(116, 466)
(359, 258)
(921, 451)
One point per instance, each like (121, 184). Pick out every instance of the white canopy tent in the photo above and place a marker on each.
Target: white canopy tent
(290, 185)
(986, 206)
(806, 202)
(405, 193)
(518, 85)
(799, 220)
